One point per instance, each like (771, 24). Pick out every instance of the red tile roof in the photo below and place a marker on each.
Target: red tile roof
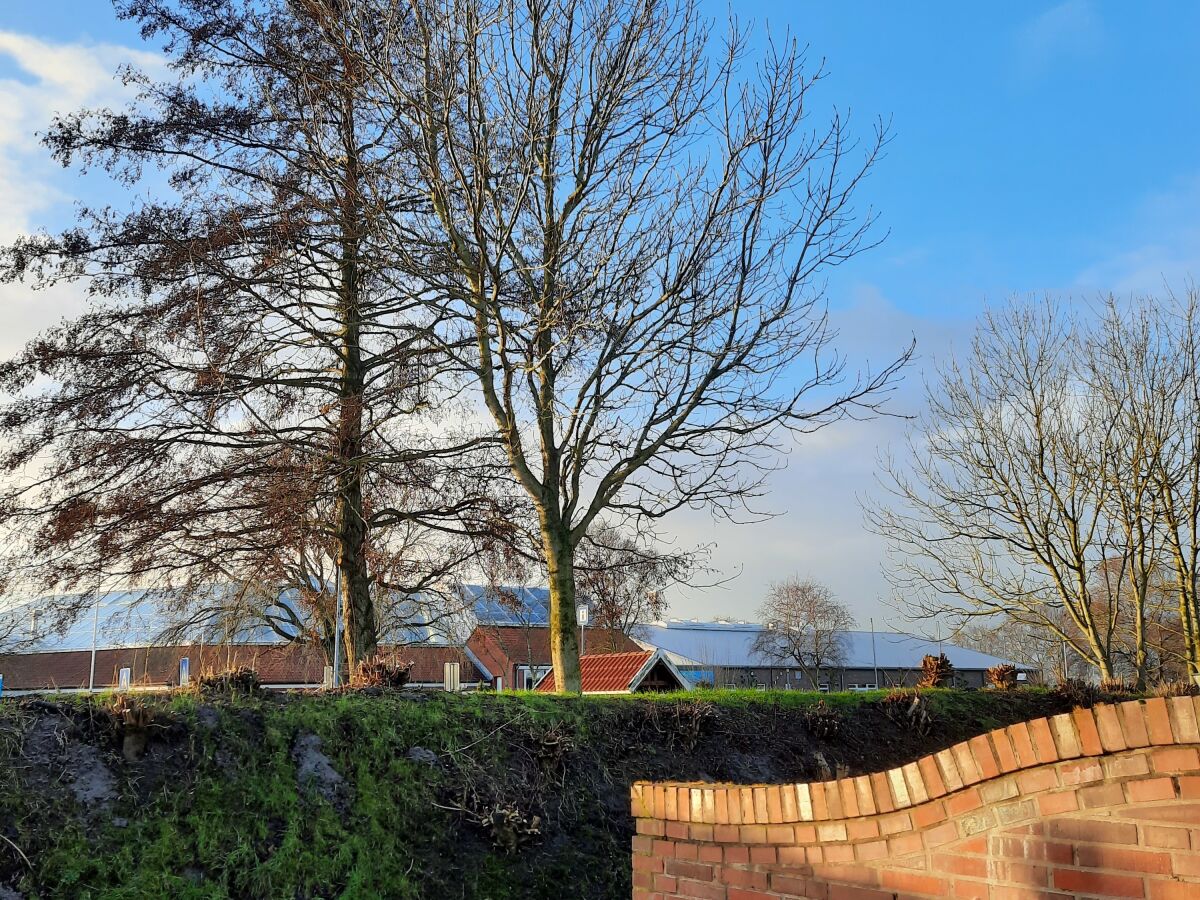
(504, 646)
(604, 673)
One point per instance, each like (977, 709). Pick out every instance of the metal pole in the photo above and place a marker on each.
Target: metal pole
(874, 661)
(95, 628)
(337, 626)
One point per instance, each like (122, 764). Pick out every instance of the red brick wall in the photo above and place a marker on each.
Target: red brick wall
(1095, 803)
(276, 664)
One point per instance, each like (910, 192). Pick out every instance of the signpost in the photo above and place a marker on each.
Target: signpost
(581, 614)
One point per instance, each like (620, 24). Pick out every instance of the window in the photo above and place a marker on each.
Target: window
(124, 679)
(823, 688)
(760, 686)
(731, 685)
(858, 688)
(528, 676)
(185, 671)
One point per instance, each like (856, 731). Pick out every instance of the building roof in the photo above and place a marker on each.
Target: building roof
(616, 673)
(503, 646)
(731, 644)
(508, 605)
(429, 660)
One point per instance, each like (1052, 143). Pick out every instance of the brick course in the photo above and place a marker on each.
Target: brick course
(1098, 803)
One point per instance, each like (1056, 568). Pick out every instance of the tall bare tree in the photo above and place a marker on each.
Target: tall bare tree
(804, 624)
(1145, 358)
(248, 369)
(633, 230)
(1056, 482)
(1004, 510)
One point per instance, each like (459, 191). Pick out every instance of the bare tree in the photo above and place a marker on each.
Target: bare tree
(1145, 360)
(1004, 510)
(1056, 482)
(1031, 646)
(633, 231)
(248, 375)
(804, 624)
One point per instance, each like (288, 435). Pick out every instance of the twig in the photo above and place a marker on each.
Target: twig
(494, 731)
(18, 849)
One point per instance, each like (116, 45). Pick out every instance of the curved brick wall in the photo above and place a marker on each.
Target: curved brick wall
(1094, 803)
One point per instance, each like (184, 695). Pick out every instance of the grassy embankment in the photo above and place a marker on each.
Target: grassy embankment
(508, 796)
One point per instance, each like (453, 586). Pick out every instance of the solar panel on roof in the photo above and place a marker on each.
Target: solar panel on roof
(515, 606)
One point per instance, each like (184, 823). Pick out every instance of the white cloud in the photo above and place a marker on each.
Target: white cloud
(51, 79)
(1156, 245)
(75, 72)
(819, 531)
(1070, 31)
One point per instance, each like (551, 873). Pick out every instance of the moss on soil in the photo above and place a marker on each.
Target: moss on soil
(519, 794)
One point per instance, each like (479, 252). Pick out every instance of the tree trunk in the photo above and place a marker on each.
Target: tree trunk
(358, 612)
(1104, 667)
(564, 628)
(1140, 657)
(360, 631)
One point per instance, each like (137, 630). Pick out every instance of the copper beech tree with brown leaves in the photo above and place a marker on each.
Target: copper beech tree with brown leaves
(251, 390)
(633, 222)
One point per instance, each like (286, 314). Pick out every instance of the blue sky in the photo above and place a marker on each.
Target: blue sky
(1037, 147)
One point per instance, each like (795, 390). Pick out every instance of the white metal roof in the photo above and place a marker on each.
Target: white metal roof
(694, 643)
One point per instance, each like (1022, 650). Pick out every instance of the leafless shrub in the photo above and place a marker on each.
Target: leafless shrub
(907, 709)
(1078, 692)
(1176, 689)
(822, 721)
(379, 672)
(243, 680)
(1116, 686)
